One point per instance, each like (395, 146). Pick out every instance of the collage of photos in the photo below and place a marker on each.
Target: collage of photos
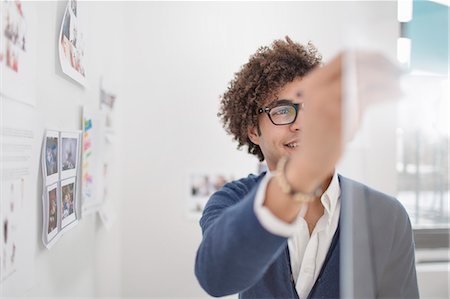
(201, 187)
(14, 32)
(60, 164)
(71, 43)
(17, 50)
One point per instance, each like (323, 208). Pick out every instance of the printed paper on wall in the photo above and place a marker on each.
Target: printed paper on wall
(18, 51)
(71, 42)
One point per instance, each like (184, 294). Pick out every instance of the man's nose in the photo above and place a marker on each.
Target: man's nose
(295, 126)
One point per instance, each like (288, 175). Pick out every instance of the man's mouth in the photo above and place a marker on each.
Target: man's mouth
(292, 144)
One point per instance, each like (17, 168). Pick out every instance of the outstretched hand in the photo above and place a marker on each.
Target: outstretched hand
(321, 145)
(376, 79)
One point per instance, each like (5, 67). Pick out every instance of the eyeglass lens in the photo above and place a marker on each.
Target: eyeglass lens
(283, 114)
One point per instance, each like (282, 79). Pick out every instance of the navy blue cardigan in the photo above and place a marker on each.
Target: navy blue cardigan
(237, 255)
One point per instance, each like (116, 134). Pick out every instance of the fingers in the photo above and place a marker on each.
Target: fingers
(378, 79)
(330, 71)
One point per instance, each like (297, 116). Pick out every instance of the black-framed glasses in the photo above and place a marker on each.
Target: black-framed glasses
(282, 112)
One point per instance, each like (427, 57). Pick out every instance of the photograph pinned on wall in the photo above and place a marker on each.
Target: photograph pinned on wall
(73, 7)
(71, 42)
(68, 203)
(70, 144)
(107, 100)
(60, 160)
(14, 32)
(50, 162)
(19, 169)
(201, 187)
(18, 51)
(52, 211)
(11, 204)
(51, 215)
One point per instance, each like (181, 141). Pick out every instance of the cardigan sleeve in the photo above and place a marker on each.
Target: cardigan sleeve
(235, 250)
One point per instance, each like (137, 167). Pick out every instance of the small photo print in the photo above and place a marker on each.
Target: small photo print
(67, 203)
(73, 7)
(107, 100)
(51, 157)
(51, 151)
(52, 215)
(65, 37)
(52, 210)
(69, 153)
(67, 208)
(71, 45)
(201, 187)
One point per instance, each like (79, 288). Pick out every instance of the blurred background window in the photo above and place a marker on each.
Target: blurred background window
(423, 128)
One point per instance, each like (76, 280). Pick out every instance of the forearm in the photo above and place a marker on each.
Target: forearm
(301, 178)
(236, 250)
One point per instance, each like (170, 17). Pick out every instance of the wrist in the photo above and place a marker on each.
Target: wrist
(280, 204)
(301, 175)
(304, 191)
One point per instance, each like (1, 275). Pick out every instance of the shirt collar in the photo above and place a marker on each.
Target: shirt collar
(330, 197)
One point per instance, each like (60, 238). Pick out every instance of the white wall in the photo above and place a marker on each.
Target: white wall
(180, 58)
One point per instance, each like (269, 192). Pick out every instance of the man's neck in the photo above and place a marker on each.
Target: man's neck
(316, 208)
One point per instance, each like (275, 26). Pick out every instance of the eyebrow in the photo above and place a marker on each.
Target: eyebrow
(280, 102)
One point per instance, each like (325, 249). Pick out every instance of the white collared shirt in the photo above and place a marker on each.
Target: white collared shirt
(307, 252)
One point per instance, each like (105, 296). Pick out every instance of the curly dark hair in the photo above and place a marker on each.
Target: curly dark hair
(258, 82)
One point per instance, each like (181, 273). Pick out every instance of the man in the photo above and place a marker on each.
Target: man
(276, 235)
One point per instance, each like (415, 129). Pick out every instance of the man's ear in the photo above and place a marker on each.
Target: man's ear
(253, 134)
